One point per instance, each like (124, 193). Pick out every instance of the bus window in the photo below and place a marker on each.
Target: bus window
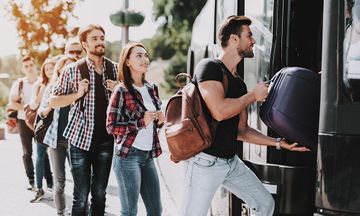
(225, 8)
(261, 13)
(352, 50)
(256, 69)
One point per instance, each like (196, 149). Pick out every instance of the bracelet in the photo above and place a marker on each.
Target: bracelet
(277, 144)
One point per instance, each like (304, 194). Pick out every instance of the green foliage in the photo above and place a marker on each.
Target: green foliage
(112, 50)
(174, 34)
(177, 65)
(124, 18)
(42, 26)
(4, 92)
(159, 47)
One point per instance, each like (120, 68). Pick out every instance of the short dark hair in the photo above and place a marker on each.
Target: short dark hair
(26, 58)
(232, 25)
(85, 31)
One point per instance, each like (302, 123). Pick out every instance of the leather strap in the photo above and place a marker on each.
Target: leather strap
(84, 71)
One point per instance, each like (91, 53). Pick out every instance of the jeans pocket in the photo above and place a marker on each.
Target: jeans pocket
(201, 162)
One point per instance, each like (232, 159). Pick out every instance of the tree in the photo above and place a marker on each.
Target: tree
(179, 16)
(42, 27)
(173, 38)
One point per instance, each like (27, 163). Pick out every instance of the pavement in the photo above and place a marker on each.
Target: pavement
(15, 199)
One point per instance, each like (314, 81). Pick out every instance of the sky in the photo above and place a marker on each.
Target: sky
(88, 12)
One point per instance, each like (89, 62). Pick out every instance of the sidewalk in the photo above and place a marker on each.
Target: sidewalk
(15, 199)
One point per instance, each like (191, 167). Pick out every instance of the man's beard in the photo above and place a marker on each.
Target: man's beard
(246, 53)
(97, 53)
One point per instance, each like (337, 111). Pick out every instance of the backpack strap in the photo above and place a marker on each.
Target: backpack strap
(20, 89)
(84, 71)
(109, 70)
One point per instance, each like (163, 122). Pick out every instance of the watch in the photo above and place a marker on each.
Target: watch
(277, 144)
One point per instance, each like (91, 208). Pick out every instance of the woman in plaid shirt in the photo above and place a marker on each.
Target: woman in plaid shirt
(133, 116)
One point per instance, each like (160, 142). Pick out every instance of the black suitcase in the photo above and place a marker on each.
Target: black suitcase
(292, 106)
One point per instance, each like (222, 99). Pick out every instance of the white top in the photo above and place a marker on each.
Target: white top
(26, 94)
(144, 139)
(354, 61)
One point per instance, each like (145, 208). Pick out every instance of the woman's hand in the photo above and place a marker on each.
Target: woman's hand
(149, 116)
(110, 84)
(160, 116)
(292, 147)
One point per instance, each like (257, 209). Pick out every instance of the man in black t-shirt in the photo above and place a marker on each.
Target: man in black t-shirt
(219, 164)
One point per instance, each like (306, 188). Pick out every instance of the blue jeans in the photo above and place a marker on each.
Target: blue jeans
(205, 173)
(90, 171)
(58, 157)
(42, 166)
(136, 174)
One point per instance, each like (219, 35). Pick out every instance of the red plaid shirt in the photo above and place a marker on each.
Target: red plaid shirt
(125, 117)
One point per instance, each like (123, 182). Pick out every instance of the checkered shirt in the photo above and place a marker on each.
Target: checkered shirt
(80, 127)
(51, 135)
(125, 117)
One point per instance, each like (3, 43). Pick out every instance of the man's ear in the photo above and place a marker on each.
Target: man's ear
(84, 45)
(233, 38)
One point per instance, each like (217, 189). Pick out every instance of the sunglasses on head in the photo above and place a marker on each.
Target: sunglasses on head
(75, 52)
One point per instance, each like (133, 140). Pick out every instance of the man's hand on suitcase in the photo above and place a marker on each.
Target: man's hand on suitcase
(292, 147)
(260, 91)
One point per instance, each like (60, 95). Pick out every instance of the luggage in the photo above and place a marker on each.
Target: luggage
(292, 106)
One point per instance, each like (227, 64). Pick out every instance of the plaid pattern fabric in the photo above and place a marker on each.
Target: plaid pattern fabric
(80, 127)
(51, 135)
(125, 117)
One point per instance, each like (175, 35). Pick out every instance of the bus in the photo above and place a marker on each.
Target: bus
(320, 35)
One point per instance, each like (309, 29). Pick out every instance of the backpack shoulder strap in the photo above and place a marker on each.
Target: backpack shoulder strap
(84, 71)
(109, 69)
(225, 80)
(20, 89)
(225, 83)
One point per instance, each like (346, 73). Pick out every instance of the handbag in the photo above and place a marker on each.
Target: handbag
(42, 126)
(11, 114)
(30, 114)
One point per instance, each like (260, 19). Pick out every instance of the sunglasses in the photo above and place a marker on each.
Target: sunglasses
(75, 52)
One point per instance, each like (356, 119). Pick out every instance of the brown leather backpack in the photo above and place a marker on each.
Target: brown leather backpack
(186, 127)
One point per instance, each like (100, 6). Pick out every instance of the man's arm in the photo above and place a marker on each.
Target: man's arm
(250, 135)
(224, 108)
(57, 101)
(14, 100)
(13, 104)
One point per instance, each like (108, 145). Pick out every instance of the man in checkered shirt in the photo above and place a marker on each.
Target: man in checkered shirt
(91, 147)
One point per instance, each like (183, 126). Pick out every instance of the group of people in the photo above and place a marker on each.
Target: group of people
(97, 103)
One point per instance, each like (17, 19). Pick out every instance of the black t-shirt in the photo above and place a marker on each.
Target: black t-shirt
(224, 145)
(100, 134)
(62, 123)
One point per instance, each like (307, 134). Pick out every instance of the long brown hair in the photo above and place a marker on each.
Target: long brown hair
(124, 73)
(44, 79)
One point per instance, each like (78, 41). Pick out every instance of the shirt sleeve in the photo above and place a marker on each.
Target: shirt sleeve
(33, 104)
(119, 122)
(208, 69)
(14, 91)
(45, 100)
(64, 84)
